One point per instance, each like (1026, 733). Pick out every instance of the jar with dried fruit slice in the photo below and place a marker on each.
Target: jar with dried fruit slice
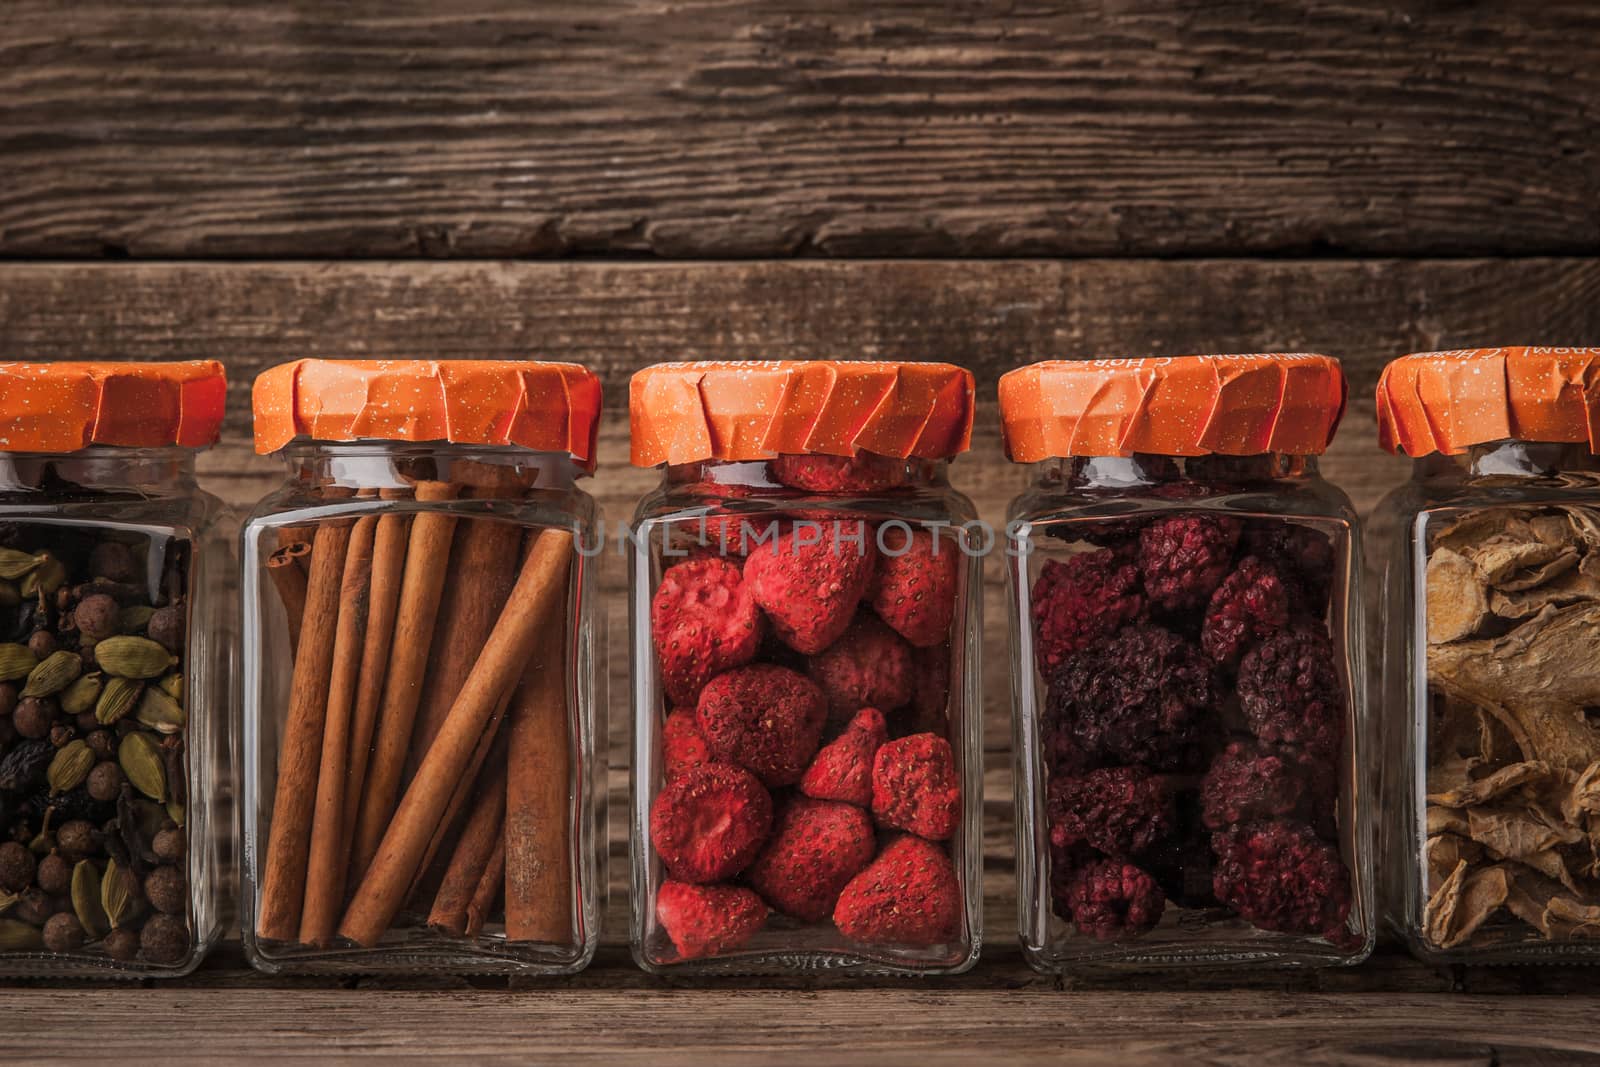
(807, 767)
(114, 640)
(424, 760)
(1488, 561)
(1187, 675)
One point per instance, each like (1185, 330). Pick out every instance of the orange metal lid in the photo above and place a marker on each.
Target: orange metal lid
(688, 412)
(62, 407)
(547, 407)
(1448, 401)
(1172, 405)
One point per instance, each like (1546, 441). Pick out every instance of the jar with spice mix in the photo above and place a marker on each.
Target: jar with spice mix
(423, 759)
(805, 626)
(1187, 665)
(1488, 561)
(114, 643)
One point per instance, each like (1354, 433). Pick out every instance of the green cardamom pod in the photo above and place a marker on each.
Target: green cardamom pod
(172, 685)
(82, 695)
(14, 564)
(116, 700)
(71, 765)
(57, 671)
(86, 899)
(116, 894)
(133, 657)
(18, 936)
(140, 759)
(46, 578)
(16, 661)
(160, 712)
(9, 597)
(135, 617)
(8, 898)
(176, 812)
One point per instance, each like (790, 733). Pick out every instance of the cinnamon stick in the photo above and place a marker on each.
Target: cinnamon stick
(536, 605)
(494, 875)
(299, 756)
(429, 872)
(470, 856)
(325, 866)
(288, 576)
(538, 802)
(383, 602)
(427, 554)
(483, 567)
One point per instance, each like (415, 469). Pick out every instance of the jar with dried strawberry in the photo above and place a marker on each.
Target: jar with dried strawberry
(807, 768)
(1488, 566)
(1187, 669)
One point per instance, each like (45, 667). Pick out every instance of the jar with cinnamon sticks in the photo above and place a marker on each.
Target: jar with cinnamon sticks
(1488, 561)
(114, 642)
(807, 777)
(422, 749)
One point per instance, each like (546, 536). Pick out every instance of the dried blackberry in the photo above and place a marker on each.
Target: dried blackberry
(1119, 810)
(1140, 696)
(1183, 558)
(1290, 692)
(1280, 876)
(1250, 782)
(1298, 552)
(1109, 899)
(1251, 603)
(1080, 599)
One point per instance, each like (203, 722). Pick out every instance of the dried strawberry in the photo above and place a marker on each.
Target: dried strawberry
(708, 920)
(816, 847)
(764, 718)
(914, 589)
(907, 896)
(703, 621)
(915, 786)
(843, 768)
(868, 667)
(709, 822)
(861, 473)
(682, 745)
(809, 580)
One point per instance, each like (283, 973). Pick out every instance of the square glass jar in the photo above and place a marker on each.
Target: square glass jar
(1190, 733)
(423, 760)
(805, 631)
(115, 644)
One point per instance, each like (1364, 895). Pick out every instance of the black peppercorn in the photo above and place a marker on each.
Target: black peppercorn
(77, 838)
(17, 867)
(163, 887)
(55, 874)
(113, 561)
(8, 699)
(34, 716)
(101, 743)
(165, 939)
(166, 627)
(121, 944)
(42, 643)
(169, 845)
(105, 781)
(98, 617)
(63, 933)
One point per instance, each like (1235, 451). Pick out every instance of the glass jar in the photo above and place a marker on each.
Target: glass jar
(1187, 671)
(805, 617)
(423, 751)
(115, 631)
(1490, 600)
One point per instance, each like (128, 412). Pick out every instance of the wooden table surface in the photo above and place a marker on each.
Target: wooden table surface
(625, 181)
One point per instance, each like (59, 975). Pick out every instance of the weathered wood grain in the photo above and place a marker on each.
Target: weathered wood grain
(729, 128)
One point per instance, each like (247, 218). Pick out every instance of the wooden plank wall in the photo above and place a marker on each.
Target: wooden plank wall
(621, 182)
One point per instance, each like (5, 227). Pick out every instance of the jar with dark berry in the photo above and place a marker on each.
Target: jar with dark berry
(807, 771)
(1187, 666)
(115, 636)
(1487, 565)
(424, 758)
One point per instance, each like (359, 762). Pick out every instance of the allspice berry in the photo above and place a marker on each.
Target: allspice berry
(169, 845)
(165, 939)
(55, 874)
(98, 617)
(113, 561)
(8, 699)
(163, 887)
(105, 781)
(76, 838)
(34, 716)
(63, 933)
(42, 643)
(102, 743)
(17, 867)
(86, 722)
(121, 944)
(166, 627)
(61, 733)
(34, 907)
